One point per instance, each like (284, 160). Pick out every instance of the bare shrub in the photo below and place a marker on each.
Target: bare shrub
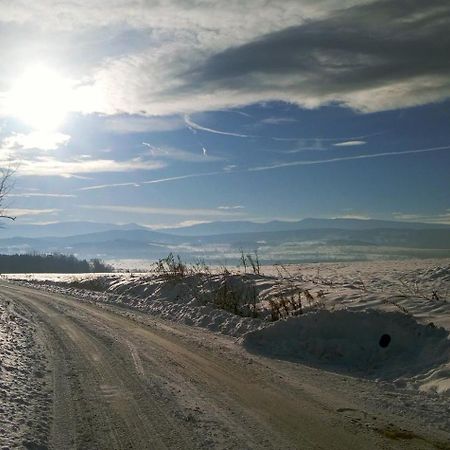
(171, 267)
(248, 260)
(241, 300)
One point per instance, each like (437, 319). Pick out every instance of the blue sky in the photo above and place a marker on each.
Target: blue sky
(187, 112)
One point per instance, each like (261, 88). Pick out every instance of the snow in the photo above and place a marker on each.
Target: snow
(349, 342)
(189, 300)
(24, 393)
(346, 308)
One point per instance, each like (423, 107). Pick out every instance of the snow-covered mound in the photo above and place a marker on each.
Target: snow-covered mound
(373, 344)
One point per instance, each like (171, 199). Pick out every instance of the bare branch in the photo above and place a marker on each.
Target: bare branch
(5, 188)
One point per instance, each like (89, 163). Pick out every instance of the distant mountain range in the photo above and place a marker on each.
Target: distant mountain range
(305, 240)
(204, 229)
(13, 229)
(61, 229)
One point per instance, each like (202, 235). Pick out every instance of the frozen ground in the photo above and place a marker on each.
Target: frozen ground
(384, 322)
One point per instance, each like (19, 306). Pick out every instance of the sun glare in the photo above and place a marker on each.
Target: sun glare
(40, 98)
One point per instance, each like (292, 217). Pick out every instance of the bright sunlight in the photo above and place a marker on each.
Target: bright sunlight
(40, 98)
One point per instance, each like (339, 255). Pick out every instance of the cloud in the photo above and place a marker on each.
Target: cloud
(41, 194)
(177, 154)
(232, 20)
(307, 143)
(441, 218)
(278, 120)
(353, 216)
(138, 124)
(349, 143)
(184, 223)
(48, 166)
(230, 208)
(195, 126)
(346, 58)
(20, 212)
(144, 59)
(166, 211)
(41, 140)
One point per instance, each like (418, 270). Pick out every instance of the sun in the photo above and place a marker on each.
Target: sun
(41, 98)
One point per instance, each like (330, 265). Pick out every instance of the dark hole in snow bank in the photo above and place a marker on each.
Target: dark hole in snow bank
(373, 344)
(385, 340)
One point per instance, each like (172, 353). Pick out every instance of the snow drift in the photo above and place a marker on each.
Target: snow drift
(372, 344)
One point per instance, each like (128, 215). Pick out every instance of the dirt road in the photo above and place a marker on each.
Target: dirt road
(119, 383)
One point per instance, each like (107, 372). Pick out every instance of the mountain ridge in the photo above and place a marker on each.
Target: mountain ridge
(219, 227)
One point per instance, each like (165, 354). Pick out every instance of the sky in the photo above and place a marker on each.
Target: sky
(170, 113)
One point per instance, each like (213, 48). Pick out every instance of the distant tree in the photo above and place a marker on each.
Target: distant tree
(98, 266)
(49, 263)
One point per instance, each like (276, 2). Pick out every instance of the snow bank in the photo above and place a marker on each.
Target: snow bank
(189, 300)
(372, 344)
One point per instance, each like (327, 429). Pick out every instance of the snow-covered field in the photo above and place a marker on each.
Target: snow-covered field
(331, 315)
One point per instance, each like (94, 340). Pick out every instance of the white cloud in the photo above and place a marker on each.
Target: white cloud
(353, 216)
(230, 207)
(442, 218)
(47, 166)
(232, 20)
(184, 223)
(165, 152)
(41, 140)
(195, 126)
(41, 194)
(138, 124)
(164, 211)
(20, 212)
(350, 143)
(278, 120)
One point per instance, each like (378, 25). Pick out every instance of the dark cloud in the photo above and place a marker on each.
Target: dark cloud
(403, 45)
(176, 56)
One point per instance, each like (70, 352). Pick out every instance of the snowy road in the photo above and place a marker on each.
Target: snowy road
(140, 382)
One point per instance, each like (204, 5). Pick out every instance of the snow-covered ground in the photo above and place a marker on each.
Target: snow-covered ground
(25, 396)
(386, 321)
(382, 326)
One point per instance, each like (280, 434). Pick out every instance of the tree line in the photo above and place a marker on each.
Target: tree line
(52, 263)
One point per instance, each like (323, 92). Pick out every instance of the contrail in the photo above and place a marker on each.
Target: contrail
(104, 186)
(347, 158)
(272, 167)
(183, 177)
(196, 126)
